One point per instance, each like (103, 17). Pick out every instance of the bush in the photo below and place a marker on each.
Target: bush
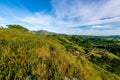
(15, 26)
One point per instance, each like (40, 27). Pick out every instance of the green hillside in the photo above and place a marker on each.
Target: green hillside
(28, 56)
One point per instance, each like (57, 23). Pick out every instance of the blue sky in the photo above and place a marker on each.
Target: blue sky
(84, 17)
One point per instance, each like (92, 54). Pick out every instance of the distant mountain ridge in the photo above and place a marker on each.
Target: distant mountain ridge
(115, 36)
(44, 32)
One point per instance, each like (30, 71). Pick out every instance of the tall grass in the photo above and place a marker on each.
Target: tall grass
(24, 56)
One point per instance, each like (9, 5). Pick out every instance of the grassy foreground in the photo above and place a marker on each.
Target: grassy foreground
(28, 56)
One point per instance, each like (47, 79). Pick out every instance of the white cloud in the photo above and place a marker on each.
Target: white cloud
(101, 26)
(39, 19)
(67, 14)
(87, 14)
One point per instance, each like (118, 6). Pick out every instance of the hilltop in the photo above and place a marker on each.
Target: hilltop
(44, 32)
(24, 56)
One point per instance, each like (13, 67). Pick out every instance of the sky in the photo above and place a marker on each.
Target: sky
(82, 17)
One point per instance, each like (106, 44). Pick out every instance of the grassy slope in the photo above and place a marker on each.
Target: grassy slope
(24, 55)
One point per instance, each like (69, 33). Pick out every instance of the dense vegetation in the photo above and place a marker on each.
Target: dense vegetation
(103, 51)
(25, 55)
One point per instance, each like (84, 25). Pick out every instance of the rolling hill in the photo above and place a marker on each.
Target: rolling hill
(28, 56)
(44, 32)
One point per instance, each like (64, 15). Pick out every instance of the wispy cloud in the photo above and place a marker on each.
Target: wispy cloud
(101, 27)
(67, 15)
(88, 14)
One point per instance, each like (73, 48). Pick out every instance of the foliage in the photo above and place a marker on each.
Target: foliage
(24, 55)
(15, 26)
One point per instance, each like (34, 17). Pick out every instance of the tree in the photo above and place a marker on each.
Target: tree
(16, 26)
